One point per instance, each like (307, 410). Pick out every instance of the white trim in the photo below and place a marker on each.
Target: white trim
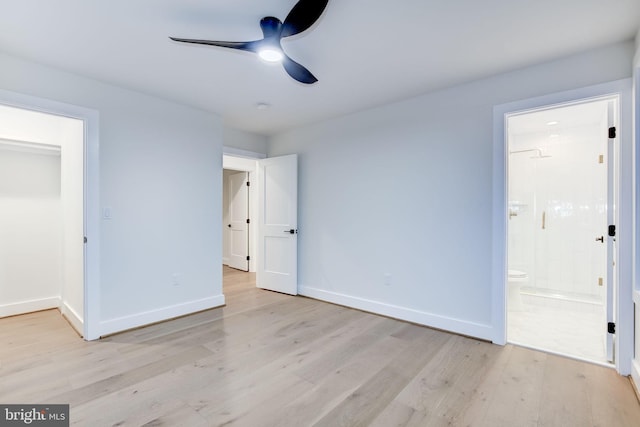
(242, 164)
(499, 225)
(137, 320)
(91, 197)
(635, 365)
(72, 317)
(463, 327)
(30, 306)
(624, 320)
(237, 152)
(635, 374)
(30, 147)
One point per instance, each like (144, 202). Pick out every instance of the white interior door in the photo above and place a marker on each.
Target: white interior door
(278, 221)
(239, 221)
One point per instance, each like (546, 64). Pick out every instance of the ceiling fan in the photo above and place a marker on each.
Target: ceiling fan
(303, 15)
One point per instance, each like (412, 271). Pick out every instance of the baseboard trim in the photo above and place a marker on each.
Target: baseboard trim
(30, 306)
(137, 320)
(635, 377)
(74, 319)
(463, 327)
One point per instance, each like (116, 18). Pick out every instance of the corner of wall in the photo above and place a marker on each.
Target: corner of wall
(74, 319)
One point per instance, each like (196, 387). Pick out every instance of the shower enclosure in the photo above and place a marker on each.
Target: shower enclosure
(557, 223)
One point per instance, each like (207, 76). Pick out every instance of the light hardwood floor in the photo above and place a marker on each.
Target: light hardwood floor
(268, 359)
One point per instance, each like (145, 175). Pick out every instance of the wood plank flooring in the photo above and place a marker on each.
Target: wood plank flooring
(268, 359)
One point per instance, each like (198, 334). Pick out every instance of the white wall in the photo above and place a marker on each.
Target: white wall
(244, 141)
(395, 203)
(160, 166)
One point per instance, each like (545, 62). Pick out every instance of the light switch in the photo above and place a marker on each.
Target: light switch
(106, 213)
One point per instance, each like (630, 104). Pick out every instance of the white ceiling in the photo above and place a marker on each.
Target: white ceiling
(364, 52)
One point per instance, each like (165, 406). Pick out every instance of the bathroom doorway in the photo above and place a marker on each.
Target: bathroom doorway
(560, 280)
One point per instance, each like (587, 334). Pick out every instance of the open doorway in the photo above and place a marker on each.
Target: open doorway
(239, 222)
(89, 322)
(42, 214)
(273, 209)
(236, 219)
(243, 169)
(561, 196)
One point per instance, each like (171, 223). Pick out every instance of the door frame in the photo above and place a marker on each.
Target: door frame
(246, 161)
(91, 196)
(611, 194)
(625, 175)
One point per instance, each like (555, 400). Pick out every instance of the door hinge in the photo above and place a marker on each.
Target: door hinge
(248, 221)
(248, 184)
(85, 239)
(248, 258)
(612, 132)
(612, 231)
(600, 281)
(611, 328)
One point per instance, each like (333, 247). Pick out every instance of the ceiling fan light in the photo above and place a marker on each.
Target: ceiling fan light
(271, 54)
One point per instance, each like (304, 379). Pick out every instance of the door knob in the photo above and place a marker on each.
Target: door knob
(229, 226)
(292, 231)
(600, 239)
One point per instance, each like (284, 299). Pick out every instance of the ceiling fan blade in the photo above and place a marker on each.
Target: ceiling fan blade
(297, 71)
(248, 46)
(303, 15)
